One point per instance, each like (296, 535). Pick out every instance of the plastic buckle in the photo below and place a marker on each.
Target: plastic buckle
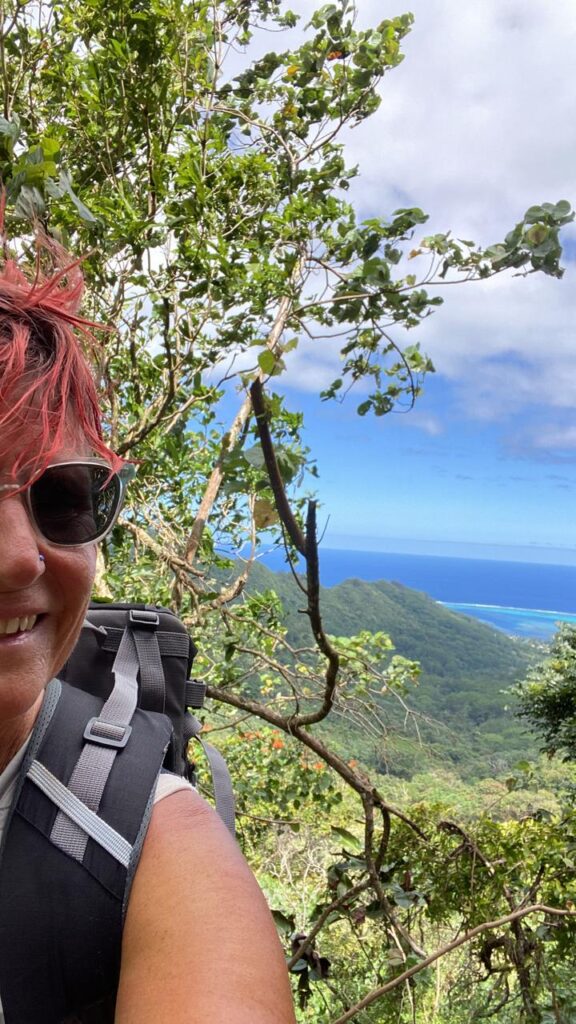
(103, 740)
(142, 619)
(101, 630)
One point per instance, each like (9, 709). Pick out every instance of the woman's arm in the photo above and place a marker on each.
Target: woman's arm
(199, 942)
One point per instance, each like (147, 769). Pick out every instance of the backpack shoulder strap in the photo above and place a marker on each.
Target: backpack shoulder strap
(148, 653)
(63, 906)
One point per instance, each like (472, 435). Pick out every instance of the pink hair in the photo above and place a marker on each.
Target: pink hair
(46, 384)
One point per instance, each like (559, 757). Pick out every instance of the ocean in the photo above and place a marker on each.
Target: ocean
(519, 598)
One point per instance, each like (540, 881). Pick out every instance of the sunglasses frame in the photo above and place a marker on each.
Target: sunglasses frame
(124, 475)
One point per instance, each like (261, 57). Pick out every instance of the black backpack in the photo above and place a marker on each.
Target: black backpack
(115, 717)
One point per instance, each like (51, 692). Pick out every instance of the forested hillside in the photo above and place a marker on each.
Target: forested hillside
(448, 644)
(466, 667)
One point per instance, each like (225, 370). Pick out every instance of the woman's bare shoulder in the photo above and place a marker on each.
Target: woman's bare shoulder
(199, 942)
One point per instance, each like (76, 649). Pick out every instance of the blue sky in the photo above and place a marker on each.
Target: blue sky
(475, 126)
(388, 485)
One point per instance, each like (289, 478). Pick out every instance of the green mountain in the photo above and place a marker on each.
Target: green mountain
(465, 664)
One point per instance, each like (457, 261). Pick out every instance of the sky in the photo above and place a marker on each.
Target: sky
(476, 125)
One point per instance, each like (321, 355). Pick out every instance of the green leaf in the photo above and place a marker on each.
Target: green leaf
(50, 147)
(285, 925)
(299, 966)
(9, 128)
(267, 361)
(30, 204)
(395, 957)
(351, 840)
(534, 214)
(255, 457)
(265, 514)
(496, 252)
(537, 235)
(562, 209)
(65, 184)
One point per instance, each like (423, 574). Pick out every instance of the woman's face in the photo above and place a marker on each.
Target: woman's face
(54, 592)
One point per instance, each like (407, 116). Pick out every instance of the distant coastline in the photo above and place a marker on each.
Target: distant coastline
(522, 598)
(530, 623)
(499, 608)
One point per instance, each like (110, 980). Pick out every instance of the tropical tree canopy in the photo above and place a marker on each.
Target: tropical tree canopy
(204, 183)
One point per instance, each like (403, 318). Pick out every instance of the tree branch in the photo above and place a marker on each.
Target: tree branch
(537, 908)
(282, 504)
(243, 415)
(288, 725)
(338, 904)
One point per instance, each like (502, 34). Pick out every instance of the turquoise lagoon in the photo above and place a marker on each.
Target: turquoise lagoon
(538, 624)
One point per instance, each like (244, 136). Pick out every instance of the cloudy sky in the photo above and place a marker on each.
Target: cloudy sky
(477, 124)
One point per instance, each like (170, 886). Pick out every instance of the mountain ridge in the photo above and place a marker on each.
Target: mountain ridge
(466, 665)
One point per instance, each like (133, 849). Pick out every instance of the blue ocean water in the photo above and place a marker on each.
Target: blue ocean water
(519, 598)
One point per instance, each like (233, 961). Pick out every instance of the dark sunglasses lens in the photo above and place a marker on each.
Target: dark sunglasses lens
(74, 504)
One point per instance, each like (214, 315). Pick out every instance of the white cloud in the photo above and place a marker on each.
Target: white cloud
(507, 345)
(430, 425)
(474, 126)
(556, 437)
(313, 365)
(545, 441)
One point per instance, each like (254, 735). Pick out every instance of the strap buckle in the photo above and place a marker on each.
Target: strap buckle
(107, 734)
(143, 619)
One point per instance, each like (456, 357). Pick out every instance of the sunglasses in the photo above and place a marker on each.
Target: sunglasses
(77, 502)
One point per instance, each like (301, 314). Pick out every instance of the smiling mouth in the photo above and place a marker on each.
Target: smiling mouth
(18, 626)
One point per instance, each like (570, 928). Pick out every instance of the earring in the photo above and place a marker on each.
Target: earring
(41, 557)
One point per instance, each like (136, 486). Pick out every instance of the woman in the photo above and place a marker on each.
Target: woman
(198, 944)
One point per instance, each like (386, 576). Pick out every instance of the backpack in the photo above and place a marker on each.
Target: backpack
(113, 719)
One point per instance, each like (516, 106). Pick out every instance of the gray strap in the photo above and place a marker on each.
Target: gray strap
(175, 644)
(105, 736)
(122, 702)
(223, 792)
(74, 809)
(195, 693)
(51, 697)
(152, 689)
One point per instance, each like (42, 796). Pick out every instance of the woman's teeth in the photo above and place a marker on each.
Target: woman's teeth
(10, 626)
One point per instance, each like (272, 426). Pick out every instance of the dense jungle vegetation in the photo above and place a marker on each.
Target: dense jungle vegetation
(202, 177)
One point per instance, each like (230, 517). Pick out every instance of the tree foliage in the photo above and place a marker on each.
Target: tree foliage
(547, 697)
(207, 191)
